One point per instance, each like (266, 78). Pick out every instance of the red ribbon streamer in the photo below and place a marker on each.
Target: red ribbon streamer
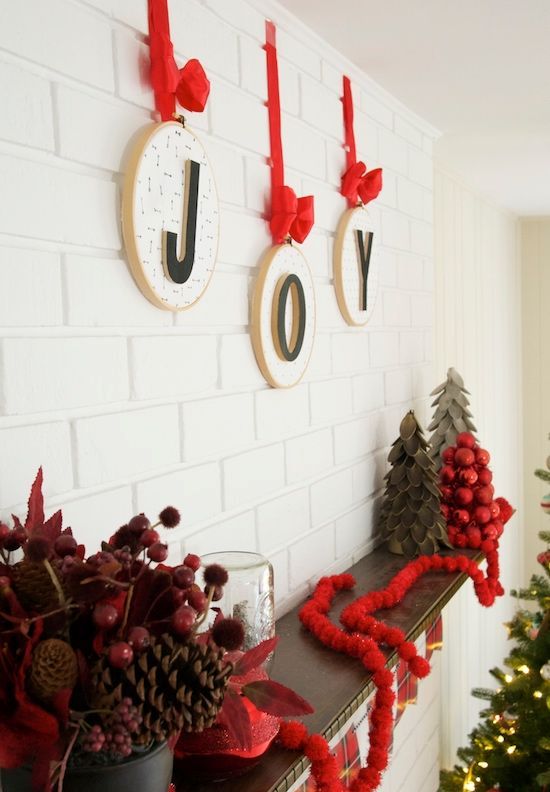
(358, 184)
(189, 85)
(290, 215)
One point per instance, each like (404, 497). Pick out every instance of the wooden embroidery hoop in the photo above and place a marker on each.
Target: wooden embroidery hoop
(128, 226)
(338, 264)
(261, 303)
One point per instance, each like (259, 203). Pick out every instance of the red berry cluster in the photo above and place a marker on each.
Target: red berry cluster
(139, 534)
(467, 495)
(188, 607)
(35, 547)
(114, 737)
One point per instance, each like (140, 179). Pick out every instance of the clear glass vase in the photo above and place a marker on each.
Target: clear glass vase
(248, 594)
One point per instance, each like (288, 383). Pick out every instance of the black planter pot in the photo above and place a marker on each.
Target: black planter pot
(150, 772)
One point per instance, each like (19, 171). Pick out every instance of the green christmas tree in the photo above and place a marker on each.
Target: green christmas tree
(509, 750)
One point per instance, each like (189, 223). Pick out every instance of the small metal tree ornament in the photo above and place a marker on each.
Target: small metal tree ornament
(451, 417)
(411, 520)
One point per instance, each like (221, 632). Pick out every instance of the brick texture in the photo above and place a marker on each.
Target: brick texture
(130, 407)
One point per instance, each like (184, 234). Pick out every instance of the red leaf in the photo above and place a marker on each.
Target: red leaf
(276, 699)
(35, 513)
(60, 705)
(255, 656)
(234, 716)
(51, 528)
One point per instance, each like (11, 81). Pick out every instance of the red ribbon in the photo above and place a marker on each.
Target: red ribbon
(358, 184)
(290, 215)
(190, 84)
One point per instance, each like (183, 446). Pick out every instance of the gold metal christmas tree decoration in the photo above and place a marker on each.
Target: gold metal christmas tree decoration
(411, 520)
(452, 415)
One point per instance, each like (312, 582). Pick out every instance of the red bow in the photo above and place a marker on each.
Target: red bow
(360, 184)
(190, 84)
(290, 215)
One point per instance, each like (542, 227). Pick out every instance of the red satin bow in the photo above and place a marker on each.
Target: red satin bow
(189, 84)
(290, 215)
(360, 184)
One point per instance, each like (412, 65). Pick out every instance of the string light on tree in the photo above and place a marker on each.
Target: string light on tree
(509, 750)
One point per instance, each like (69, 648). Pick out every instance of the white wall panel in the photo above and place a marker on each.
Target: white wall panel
(478, 331)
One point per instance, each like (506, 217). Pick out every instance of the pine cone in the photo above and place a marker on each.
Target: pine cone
(54, 667)
(179, 686)
(34, 586)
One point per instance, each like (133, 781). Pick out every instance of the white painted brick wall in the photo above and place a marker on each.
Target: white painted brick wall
(27, 117)
(212, 427)
(129, 407)
(30, 288)
(136, 404)
(173, 366)
(43, 374)
(253, 474)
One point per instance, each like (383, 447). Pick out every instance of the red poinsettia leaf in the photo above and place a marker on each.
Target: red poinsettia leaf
(35, 512)
(152, 597)
(16, 609)
(51, 528)
(38, 729)
(16, 521)
(98, 644)
(13, 746)
(41, 773)
(60, 705)
(89, 591)
(276, 699)
(236, 719)
(255, 656)
(164, 568)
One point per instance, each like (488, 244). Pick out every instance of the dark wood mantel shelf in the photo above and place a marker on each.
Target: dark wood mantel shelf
(335, 685)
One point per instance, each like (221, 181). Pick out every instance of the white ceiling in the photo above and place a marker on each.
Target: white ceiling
(478, 70)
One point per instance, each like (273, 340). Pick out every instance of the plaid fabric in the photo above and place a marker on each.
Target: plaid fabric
(407, 689)
(348, 758)
(347, 750)
(434, 637)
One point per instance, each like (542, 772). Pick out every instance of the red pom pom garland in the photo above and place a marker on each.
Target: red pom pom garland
(474, 520)
(361, 638)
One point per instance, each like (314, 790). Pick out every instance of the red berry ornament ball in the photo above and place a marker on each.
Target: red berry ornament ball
(474, 518)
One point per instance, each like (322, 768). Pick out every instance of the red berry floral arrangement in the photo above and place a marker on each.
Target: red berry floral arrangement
(100, 655)
(475, 518)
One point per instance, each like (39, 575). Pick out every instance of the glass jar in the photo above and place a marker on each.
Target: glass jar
(248, 594)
